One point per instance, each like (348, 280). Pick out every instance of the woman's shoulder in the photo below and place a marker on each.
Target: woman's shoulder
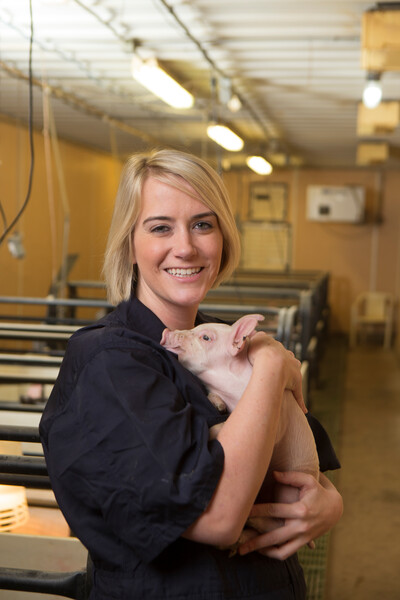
(112, 339)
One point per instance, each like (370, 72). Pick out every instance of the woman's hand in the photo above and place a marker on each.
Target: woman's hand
(318, 509)
(265, 347)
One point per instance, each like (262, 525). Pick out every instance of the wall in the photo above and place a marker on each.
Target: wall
(91, 180)
(358, 257)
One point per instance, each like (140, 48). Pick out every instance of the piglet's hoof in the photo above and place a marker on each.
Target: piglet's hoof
(214, 431)
(217, 402)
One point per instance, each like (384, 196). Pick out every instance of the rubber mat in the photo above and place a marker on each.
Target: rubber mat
(325, 400)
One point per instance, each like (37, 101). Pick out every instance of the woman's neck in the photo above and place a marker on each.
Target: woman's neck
(173, 316)
(178, 317)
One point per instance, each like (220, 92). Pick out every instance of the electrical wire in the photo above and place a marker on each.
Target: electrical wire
(3, 215)
(31, 145)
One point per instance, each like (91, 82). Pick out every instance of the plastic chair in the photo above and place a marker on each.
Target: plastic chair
(371, 310)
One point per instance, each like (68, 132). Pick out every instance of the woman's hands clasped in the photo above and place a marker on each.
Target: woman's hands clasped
(318, 509)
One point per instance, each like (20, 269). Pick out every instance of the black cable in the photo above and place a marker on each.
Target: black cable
(28, 194)
(3, 215)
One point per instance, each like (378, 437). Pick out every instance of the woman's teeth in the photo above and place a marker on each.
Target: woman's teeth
(184, 272)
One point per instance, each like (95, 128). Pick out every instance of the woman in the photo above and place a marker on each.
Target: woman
(125, 431)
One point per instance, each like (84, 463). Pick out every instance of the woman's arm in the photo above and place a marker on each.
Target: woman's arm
(318, 509)
(248, 438)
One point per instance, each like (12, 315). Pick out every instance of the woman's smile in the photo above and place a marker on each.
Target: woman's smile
(188, 275)
(179, 272)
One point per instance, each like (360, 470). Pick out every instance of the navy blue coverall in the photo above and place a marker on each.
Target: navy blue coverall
(125, 436)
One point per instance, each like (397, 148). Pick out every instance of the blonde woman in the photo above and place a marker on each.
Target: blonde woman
(125, 431)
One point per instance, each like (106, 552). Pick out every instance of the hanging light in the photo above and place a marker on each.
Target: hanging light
(234, 104)
(259, 165)
(372, 94)
(225, 137)
(154, 78)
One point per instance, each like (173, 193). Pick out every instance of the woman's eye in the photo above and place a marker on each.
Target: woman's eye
(203, 225)
(160, 229)
(206, 338)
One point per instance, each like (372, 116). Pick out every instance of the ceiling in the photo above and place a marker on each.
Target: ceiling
(294, 64)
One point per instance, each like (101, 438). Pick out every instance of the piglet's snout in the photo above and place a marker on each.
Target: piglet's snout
(174, 339)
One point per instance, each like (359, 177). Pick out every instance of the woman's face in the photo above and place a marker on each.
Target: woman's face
(177, 246)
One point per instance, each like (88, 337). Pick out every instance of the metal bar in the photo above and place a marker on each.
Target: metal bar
(289, 330)
(42, 327)
(305, 313)
(19, 433)
(281, 325)
(27, 374)
(257, 292)
(31, 359)
(21, 407)
(57, 320)
(22, 465)
(36, 336)
(68, 585)
(55, 302)
(267, 277)
(242, 308)
(40, 482)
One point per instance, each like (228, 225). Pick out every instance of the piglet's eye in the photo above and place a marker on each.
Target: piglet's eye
(206, 338)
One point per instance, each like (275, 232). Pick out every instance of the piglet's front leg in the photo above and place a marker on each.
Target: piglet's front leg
(217, 402)
(221, 407)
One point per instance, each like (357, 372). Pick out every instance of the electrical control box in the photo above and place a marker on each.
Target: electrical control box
(340, 204)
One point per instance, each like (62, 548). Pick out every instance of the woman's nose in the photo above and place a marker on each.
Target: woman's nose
(184, 245)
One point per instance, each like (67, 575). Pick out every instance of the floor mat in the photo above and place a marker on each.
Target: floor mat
(325, 404)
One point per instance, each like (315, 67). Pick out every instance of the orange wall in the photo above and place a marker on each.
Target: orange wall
(358, 257)
(91, 180)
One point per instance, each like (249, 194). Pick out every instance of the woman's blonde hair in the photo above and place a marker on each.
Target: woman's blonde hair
(171, 167)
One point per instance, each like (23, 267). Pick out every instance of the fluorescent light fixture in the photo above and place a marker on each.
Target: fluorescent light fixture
(259, 165)
(372, 94)
(151, 76)
(225, 137)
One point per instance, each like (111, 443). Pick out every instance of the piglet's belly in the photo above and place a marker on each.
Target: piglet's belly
(295, 448)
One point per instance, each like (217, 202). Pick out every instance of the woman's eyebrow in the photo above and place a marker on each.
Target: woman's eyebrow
(165, 218)
(157, 218)
(206, 214)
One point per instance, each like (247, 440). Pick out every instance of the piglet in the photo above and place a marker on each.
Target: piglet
(217, 354)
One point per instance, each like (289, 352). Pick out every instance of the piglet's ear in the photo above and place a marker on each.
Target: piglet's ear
(243, 327)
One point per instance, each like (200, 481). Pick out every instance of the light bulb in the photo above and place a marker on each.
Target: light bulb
(372, 94)
(234, 103)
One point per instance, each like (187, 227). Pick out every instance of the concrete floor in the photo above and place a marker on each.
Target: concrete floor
(364, 554)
